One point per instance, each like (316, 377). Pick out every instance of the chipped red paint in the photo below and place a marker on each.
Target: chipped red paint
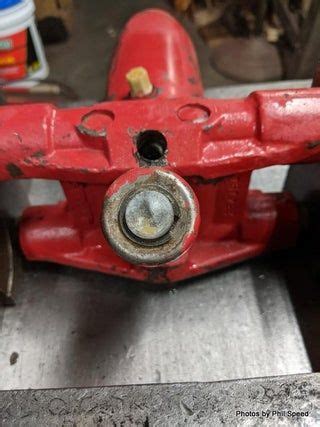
(213, 144)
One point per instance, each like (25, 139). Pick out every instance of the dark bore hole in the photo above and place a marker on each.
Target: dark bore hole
(151, 145)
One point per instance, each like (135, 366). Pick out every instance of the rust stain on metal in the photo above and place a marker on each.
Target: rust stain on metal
(158, 275)
(84, 170)
(14, 170)
(42, 162)
(217, 125)
(220, 125)
(156, 92)
(13, 358)
(199, 180)
(208, 128)
(313, 144)
(102, 133)
(147, 163)
(95, 123)
(192, 80)
(38, 154)
(37, 159)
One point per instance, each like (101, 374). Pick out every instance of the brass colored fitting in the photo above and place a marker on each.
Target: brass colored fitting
(139, 81)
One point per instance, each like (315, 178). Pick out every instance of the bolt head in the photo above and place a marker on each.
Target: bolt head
(177, 226)
(149, 215)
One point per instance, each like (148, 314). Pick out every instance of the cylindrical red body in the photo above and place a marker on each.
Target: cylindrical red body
(153, 39)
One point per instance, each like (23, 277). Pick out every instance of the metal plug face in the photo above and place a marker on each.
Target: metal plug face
(149, 215)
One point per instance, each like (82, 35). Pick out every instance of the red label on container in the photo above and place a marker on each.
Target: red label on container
(13, 41)
(16, 72)
(16, 56)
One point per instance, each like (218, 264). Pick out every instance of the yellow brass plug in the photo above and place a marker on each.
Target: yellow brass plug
(139, 81)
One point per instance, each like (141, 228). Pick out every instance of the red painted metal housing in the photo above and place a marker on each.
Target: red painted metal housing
(213, 144)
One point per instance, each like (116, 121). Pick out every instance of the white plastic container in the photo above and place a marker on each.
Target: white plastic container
(22, 57)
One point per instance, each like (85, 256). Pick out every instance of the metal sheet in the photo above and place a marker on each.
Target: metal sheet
(76, 328)
(6, 266)
(261, 401)
(238, 91)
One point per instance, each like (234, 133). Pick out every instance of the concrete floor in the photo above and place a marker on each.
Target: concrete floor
(82, 62)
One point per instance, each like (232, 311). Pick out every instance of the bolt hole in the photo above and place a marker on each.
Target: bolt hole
(151, 145)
